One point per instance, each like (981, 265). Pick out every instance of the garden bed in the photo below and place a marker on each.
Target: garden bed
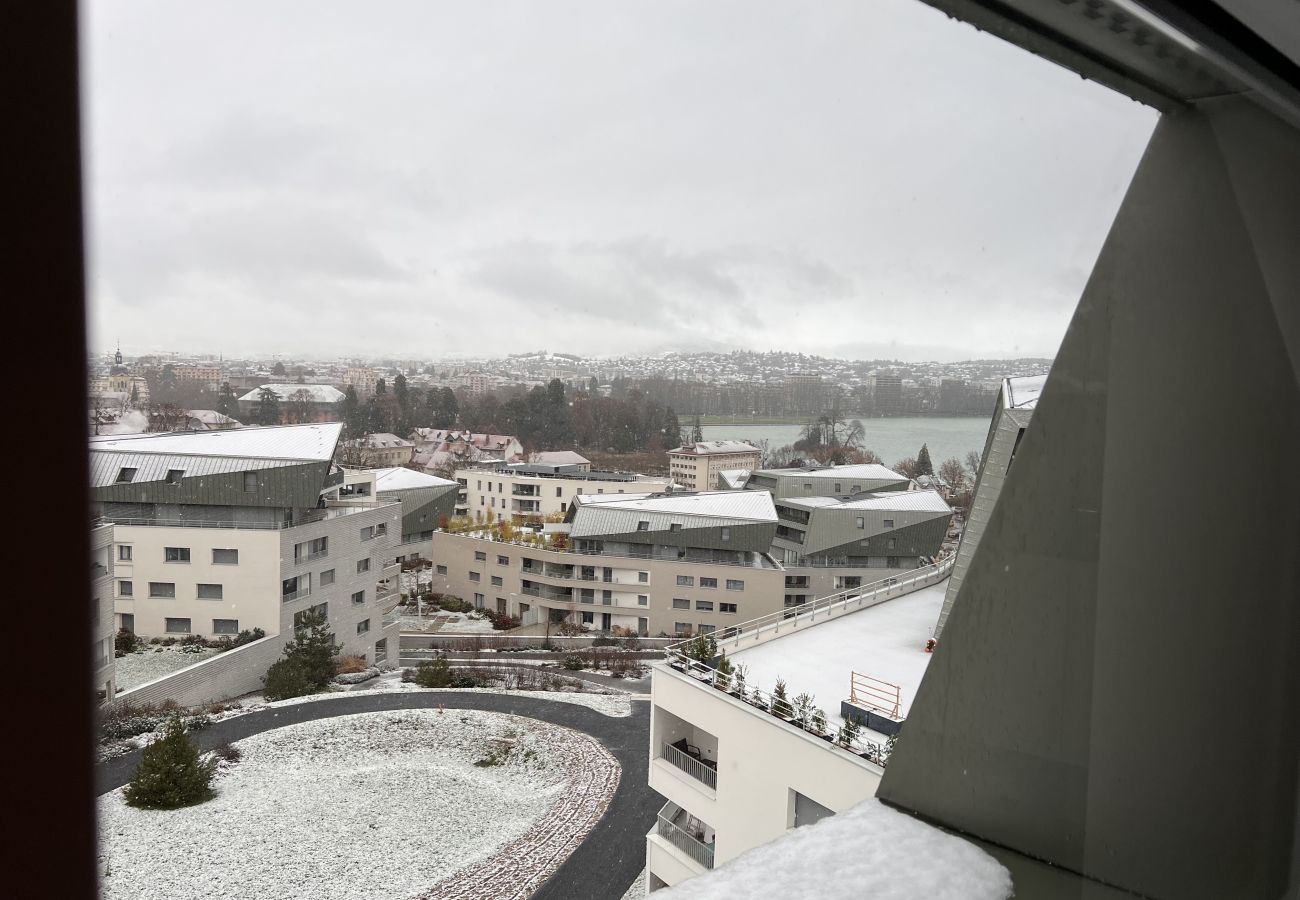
(153, 661)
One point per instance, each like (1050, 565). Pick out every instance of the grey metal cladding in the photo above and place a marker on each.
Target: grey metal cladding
(207, 480)
(423, 508)
(752, 536)
(832, 527)
(919, 539)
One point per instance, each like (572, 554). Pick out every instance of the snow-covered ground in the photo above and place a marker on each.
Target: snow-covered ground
(376, 805)
(444, 622)
(637, 890)
(154, 661)
(867, 851)
(886, 641)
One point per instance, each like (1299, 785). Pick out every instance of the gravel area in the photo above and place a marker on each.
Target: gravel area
(153, 662)
(376, 805)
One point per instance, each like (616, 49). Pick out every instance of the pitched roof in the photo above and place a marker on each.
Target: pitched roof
(315, 442)
(910, 501)
(319, 393)
(601, 514)
(401, 479)
(708, 448)
(1022, 392)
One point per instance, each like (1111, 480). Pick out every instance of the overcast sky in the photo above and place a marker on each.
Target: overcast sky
(424, 179)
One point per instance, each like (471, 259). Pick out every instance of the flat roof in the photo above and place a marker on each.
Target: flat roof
(840, 473)
(885, 641)
(910, 501)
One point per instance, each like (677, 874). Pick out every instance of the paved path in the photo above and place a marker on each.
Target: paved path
(602, 867)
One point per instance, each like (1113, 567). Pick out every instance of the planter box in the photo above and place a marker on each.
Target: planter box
(871, 719)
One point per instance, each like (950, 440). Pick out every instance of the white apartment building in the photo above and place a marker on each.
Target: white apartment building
(426, 500)
(101, 610)
(534, 491)
(362, 379)
(736, 776)
(658, 564)
(697, 466)
(219, 532)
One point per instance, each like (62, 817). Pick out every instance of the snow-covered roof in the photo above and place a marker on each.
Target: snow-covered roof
(401, 479)
(299, 442)
(910, 501)
(1022, 391)
(709, 448)
(319, 393)
(559, 458)
(754, 505)
(865, 471)
(385, 440)
(734, 478)
(212, 417)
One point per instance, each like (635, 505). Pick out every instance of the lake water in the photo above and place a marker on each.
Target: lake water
(893, 439)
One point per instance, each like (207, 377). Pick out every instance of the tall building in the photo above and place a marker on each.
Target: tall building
(696, 466)
(886, 393)
(533, 491)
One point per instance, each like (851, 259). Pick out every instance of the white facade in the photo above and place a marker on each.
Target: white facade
(509, 494)
(698, 466)
(101, 610)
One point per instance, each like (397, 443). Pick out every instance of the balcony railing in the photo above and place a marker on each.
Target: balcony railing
(308, 557)
(296, 595)
(696, 768)
(682, 839)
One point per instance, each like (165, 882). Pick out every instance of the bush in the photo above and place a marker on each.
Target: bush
(349, 665)
(119, 723)
(574, 662)
(604, 642)
(433, 673)
(126, 642)
(228, 753)
(171, 774)
(288, 678)
(703, 648)
(308, 663)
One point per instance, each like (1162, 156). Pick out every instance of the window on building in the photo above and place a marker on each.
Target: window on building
(686, 580)
(125, 475)
(837, 487)
(675, 526)
(807, 486)
(725, 533)
(327, 577)
(679, 603)
(127, 621)
(889, 523)
(682, 629)
(300, 618)
(643, 525)
(359, 597)
(296, 587)
(706, 582)
(363, 565)
(892, 562)
(588, 618)
(480, 555)
(643, 577)
(478, 603)
(642, 600)
(496, 581)
(124, 552)
(727, 607)
(704, 629)
(210, 591)
(503, 560)
(892, 543)
(176, 554)
(363, 626)
(564, 507)
(177, 626)
(475, 576)
(368, 533)
(225, 557)
(174, 476)
(587, 595)
(381, 529)
(162, 589)
(606, 597)
(225, 626)
(250, 482)
(861, 522)
(704, 606)
(734, 584)
(125, 589)
(559, 492)
(441, 570)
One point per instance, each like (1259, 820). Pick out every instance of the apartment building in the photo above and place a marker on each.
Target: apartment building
(362, 379)
(209, 376)
(657, 564)
(696, 466)
(101, 610)
(299, 402)
(426, 502)
(219, 532)
(437, 449)
(382, 449)
(533, 491)
(842, 482)
(736, 776)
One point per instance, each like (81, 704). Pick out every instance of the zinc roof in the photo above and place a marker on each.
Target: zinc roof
(314, 442)
(400, 479)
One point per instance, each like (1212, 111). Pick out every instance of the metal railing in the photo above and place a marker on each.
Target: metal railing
(682, 839)
(690, 765)
(875, 693)
(310, 518)
(296, 595)
(308, 557)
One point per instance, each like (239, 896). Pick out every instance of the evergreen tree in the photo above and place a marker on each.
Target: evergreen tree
(923, 464)
(354, 421)
(227, 402)
(278, 370)
(171, 774)
(308, 663)
(381, 387)
(697, 432)
(266, 411)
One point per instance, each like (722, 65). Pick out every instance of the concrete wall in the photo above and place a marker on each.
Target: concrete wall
(219, 677)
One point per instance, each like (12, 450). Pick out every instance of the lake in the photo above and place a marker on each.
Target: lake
(893, 439)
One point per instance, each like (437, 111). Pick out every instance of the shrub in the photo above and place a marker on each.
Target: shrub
(574, 662)
(308, 663)
(349, 665)
(433, 673)
(286, 679)
(780, 702)
(228, 753)
(126, 642)
(702, 648)
(631, 642)
(725, 671)
(408, 676)
(604, 642)
(849, 731)
(171, 774)
(817, 722)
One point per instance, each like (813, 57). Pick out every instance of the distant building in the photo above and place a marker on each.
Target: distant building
(886, 393)
(362, 379)
(571, 461)
(426, 501)
(696, 466)
(532, 491)
(381, 449)
(826, 481)
(209, 420)
(208, 376)
(299, 403)
(101, 610)
(445, 449)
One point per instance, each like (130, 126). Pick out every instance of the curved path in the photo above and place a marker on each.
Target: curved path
(602, 867)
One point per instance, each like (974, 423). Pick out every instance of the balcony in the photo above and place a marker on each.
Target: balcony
(309, 557)
(687, 758)
(295, 595)
(686, 833)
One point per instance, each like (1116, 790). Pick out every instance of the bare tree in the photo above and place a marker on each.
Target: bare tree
(973, 461)
(953, 474)
(907, 467)
(102, 412)
(300, 406)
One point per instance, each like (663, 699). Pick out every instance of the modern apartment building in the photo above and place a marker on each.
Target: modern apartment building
(426, 502)
(101, 610)
(696, 466)
(842, 482)
(219, 532)
(532, 491)
(657, 564)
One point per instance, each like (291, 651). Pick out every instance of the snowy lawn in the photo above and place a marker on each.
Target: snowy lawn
(155, 661)
(376, 805)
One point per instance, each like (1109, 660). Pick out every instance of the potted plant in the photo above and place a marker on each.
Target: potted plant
(738, 681)
(817, 725)
(849, 731)
(722, 680)
(780, 702)
(803, 709)
(756, 698)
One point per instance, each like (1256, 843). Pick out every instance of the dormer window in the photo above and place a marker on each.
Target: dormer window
(675, 526)
(125, 475)
(643, 526)
(174, 476)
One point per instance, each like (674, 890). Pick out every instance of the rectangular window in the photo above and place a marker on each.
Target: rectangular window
(704, 629)
(225, 557)
(363, 565)
(559, 492)
(125, 589)
(892, 543)
(643, 577)
(359, 597)
(174, 476)
(125, 475)
(177, 626)
(225, 626)
(503, 560)
(675, 526)
(296, 587)
(686, 580)
(704, 606)
(250, 482)
(679, 603)
(478, 603)
(606, 597)
(162, 589)
(889, 523)
(326, 577)
(837, 487)
(706, 582)
(300, 618)
(861, 522)
(441, 570)
(210, 592)
(642, 600)
(363, 626)
(475, 576)
(727, 607)
(807, 486)
(589, 618)
(892, 562)
(480, 555)
(496, 581)
(726, 533)
(586, 595)
(682, 629)
(735, 584)
(381, 529)
(368, 533)
(643, 525)
(124, 552)
(176, 554)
